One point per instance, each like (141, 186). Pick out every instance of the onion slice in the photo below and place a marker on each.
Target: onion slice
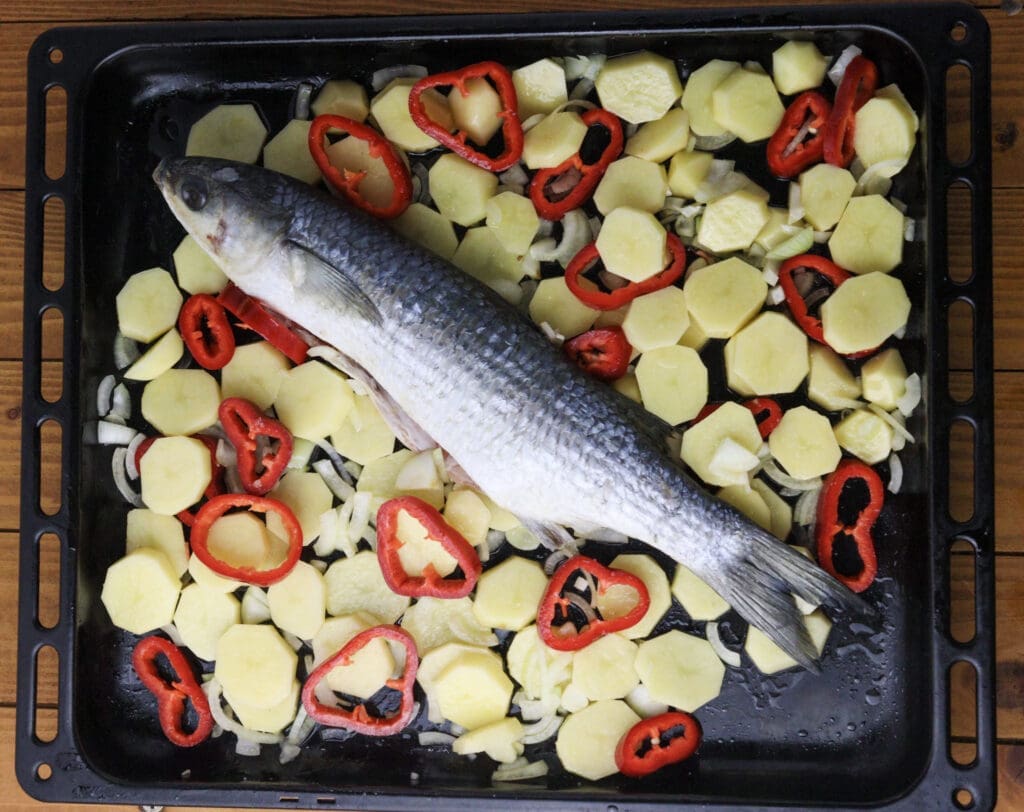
(117, 466)
(726, 655)
(898, 427)
(383, 77)
(838, 69)
(220, 716)
(895, 473)
(520, 770)
(103, 395)
(780, 477)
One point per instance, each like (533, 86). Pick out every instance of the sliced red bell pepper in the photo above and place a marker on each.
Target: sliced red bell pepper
(216, 485)
(614, 299)
(346, 181)
(217, 507)
(244, 423)
(767, 414)
(173, 695)
(511, 126)
(657, 741)
(858, 85)
(790, 150)
(832, 524)
(602, 352)
(560, 189)
(557, 623)
(430, 582)
(257, 318)
(206, 331)
(359, 718)
(823, 268)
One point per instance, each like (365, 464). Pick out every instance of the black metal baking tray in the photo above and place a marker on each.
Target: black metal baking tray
(872, 731)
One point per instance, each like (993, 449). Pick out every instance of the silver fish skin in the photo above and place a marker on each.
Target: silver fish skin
(536, 434)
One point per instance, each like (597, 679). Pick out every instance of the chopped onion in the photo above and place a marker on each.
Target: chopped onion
(770, 273)
(582, 89)
(514, 188)
(605, 535)
(522, 538)
(776, 295)
(361, 503)
(900, 331)
(126, 351)
(780, 477)
(892, 421)
(172, 632)
(213, 693)
(383, 77)
(129, 460)
(247, 747)
(428, 738)
(544, 250)
(720, 182)
(639, 699)
(469, 631)
(533, 121)
(292, 640)
(552, 334)
(545, 228)
(726, 655)
(899, 204)
(575, 235)
(796, 206)
(895, 473)
(822, 237)
(103, 393)
(303, 95)
(120, 472)
(805, 510)
(552, 561)
(233, 481)
(842, 404)
(709, 143)
(520, 770)
(838, 69)
(911, 396)
(483, 552)
(110, 432)
(541, 730)
(799, 243)
(336, 459)
(255, 606)
(909, 229)
(898, 443)
(515, 175)
(732, 463)
(877, 178)
(226, 454)
(332, 479)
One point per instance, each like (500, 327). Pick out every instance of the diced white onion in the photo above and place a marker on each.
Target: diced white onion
(639, 699)
(552, 561)
(605, 535)
(900, 331)
(173, 634)
(332, 479)
(822, 237)
(483, 552)
(796, 206)
(899, 204)
(428, 738)
(247, 747)
(213, 694)
(911, 396)
(117, 465)
(726, 655)
(129, 461)
(520, 770)
(383, 77)
(877, 178)
(255, 606)
(226, 454)
(360, 521)
(515, 175)
(805, 510)
(732, 463)
(291, 639)
(544, 250)
(780, 477)
(303, 95)
(126, 351)
(103, 393)
(770, 275)
(776, 295)
(582, 89)
(575, 235)
(892, 421)
(533, 121)
(336, 459)
(552, 334)
(909, 229)
(541, 730)
(838, 69)
(109, 432)
(895, 473)
(841, 404)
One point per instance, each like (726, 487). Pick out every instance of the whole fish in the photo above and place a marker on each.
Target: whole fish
(530, 429)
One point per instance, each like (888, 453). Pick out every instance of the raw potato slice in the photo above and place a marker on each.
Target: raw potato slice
(770, 659)
(632, 244)
(824, 193)
(354, 155)
(746, 103)
(768, 356)
(232, 131)
(482, 256)
(240, 540)
(269, 720)
(424, 476)
(659, 140)
(465, 511)
(500, 740)
(513, 220)
(390, 110)
(181, 401)
(885, 128)
(417, 550)
(587, 739)
(473, 690)
(863, 312)
(699, 600)
(460, 189)
(429, 228)
(378, 477)
(748, 502)
(342, 97)
(364, 434)
(798, 66)
(435, 621)
(638, 87)
(650, 572)
(313, 400)
(773, 233)
(196, 270)
(202, 574)
(147, 305)
(804, 444)
(433, 664)
(288, 152)
(695, 338)
(306, 493)
(701, 441)
(697, 96)
(733, 221)
(781, 513)
(298, 601)
(507, 595)
(865, 435)
(255, 666)
(501, 519)
(356, 585)
(144, 528)
(724, 296)
(203, 615)
(680, 670)
(555, 304)
(540, 87)
(830, 383)
(536, 667)
(159, 358)
(627, 385)
(371, 666)
(557, 137)
(656, 319)
(883, 378)
(140, 591)
(255, 373)
(475, 109)
(174, 473)
(632, 182)
(673, 383)
(868, 237)
(604, 669)
(687, 171)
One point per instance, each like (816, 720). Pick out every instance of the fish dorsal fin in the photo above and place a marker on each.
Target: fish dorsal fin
(332, 283)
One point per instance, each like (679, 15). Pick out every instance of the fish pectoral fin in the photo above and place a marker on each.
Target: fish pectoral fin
(332, 283)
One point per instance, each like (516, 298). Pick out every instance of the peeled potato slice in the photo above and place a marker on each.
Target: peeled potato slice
(513, 220)
(865, 435)
(429, 228)
(269, 720)
(638, 87)
(148, 304)
(634, 182)
(830, 383)
(255, 666)
(540, 87)
(733, 221)
(804, 443)
(195, 269)
(202, 574)
(390, 109)
(313, 400)
(371, 666)
(701, 441)
(770, 659)
(140, 591)
(507, 595)
(746, 103)
(656, 319)
(781, 514)
(699, 600)
(558, 136)
(461, 189)
(748, 502)
(298, 601)
(181, 401)
(535, 666)
(680, 670)
(724, 296)
(604, 669)
(824, 192)
(308, 496)
(435, 621)
(650, 572)
(868, 237)
(632, 244)
(555, 304)
(587, 739)
(482, 255)
(673, 383)
(863, 312)
(342, 97)
(356, 585)
(144, 528)
(159, 358)
(466, 512)
(767, 357)
(473, 690)
(203, 615)
(696, 98)
(500, 740)
(798, 65)
(364, 434)
(232, 131)
(174, 473)
(255, 372)
(288, 152)
(884, 379)
(659, 140)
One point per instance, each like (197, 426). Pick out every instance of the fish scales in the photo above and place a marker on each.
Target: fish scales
(540, 437)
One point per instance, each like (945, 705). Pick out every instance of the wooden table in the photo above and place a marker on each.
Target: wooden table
(22, 20)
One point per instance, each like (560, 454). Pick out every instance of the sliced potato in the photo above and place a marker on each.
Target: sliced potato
(174, 472)
(865, 435)
(627, 385)
(202, 574)
(473, 690)
(465, 511)
(746, 103)
(255, 372)
(695, 338)
(240, 540)
(773, 233)
(475, 109)
(269, 720)
(696, 99)
(232, 131)
(830, 383)
(288, 152)
(147, 305)
(380, 477)
(555, 304)
(634, 183)
(748, 502)
(255, 666)
(557, 137)
(181, 401)
(433, 664)
(824, 193)
(390, 110)
(313, 400)
(804, 444)
(798, 65)
(699, 600)
(538, 668)
(733, 221)
(632, 244)
(638, 87)
(367, 670)
(863, 312)
(298, 601)
(513, 220)
(144, 528)
(650, 572)
(885, 128)
(460, 189)
(140, 591)
(587, 738)
(680, 670)
(356, 155)
(500, 740)
(659, 140)
(195, 269)
(724, 296)
(418, 550)
(435, 621)
(342, 97)
(604, 669)
(159, 358)
(507, 596)
(656, 319)
(700, 442)
(768, 356)
(770, 659)
(428, 228)
(687, 171)
(540, 87)
(203, 615)
(869, 236)
(883, 378)
(673, 383)
(781, 514)
(308, 496)
(364, 434)
(482, 255)
(356, 585)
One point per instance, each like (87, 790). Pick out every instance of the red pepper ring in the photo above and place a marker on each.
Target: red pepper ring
(657, 741)
(511, 127)
(858, 85)
(553, 612)
(347, 181)
(206, 331)
(795, 301)
(612, 300)
(359, 718)
(217, 507)
(589, 174)
(430, 582)
(789, 151)
(831, 525)
(257, 318)
(602, 352)
(244, 423)
(173, 695)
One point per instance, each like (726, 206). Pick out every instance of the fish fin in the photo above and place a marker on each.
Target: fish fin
(551, 535)
(334, 285)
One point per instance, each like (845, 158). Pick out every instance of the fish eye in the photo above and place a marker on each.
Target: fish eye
(194, 192)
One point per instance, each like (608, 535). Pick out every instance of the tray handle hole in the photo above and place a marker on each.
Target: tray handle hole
(48, 592)
(51, 383)
(960, 352)
(958, 33)
(56, 135)
(53, 243)
(963, 798)
(959, 231)
(961, 584)
(961, 474)
(963, 713)
(44, 772)
(49, 439)
(958, 114)
(44, 726)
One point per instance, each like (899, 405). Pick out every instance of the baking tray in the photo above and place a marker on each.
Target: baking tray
(872, 731)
